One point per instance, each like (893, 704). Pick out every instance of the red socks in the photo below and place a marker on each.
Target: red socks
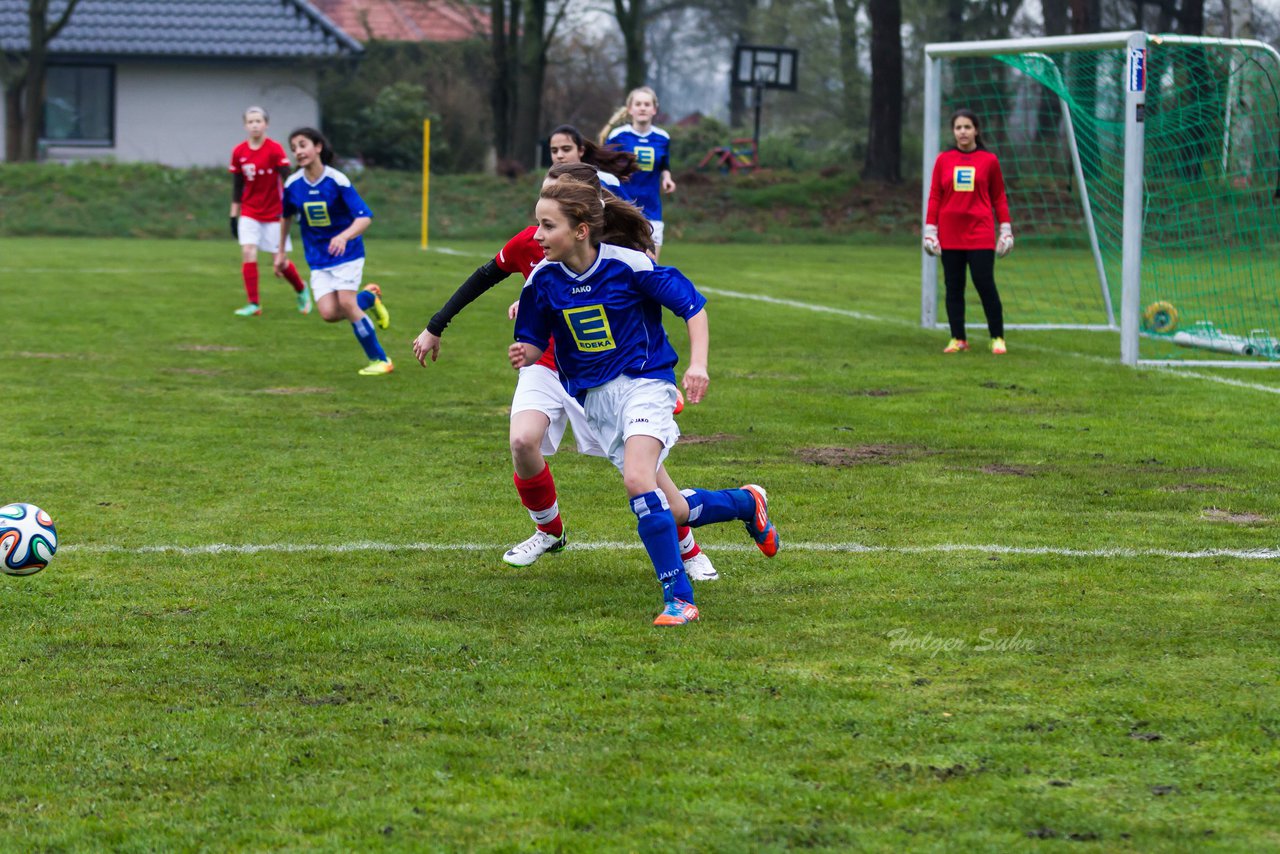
(538, 495)
(291, 276)
(688, 548)
(250, 273)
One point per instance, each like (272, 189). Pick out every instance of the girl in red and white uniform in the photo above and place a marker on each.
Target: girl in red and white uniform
(967, 187)
(541, 407)
(259, 165)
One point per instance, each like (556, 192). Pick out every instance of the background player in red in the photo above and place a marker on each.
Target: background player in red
(541, 407)
(259, 165)
(967, 186)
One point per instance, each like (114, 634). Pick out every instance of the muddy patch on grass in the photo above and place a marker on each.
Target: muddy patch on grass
(1197, 487)
(1001, 468)
(23, 354)
(1217, 514)
(209, 348)
(296, 390)
(841, 457)
(199, 372)
(714, 438)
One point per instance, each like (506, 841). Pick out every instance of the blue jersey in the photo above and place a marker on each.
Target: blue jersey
(644, 188)
(606, 322)
(327, 208)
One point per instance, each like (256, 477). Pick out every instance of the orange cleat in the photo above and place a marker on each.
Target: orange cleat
(758, 526)
(677, 613)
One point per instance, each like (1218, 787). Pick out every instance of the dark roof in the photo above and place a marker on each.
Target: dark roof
(186, 28)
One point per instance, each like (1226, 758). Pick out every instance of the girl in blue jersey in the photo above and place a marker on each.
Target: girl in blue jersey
(651, 145)
(332, 217)
(603, 305)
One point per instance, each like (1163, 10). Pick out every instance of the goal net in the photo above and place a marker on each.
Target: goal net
(1143, 176)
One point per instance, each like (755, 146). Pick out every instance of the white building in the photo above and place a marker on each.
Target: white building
(166, 81)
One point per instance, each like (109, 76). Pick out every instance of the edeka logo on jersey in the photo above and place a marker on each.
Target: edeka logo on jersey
(590, 328)
(646, 157)
(317, 214)
(962, 179)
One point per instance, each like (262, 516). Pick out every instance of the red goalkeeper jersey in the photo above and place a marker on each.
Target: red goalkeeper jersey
(263, 171)
(521, 254)
(967, 186)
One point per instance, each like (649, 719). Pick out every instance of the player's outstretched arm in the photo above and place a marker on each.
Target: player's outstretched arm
(696, 378)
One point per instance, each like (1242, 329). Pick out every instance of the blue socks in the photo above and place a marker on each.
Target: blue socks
(365, 299)
(657, 529)
(368, 338)
(707, 507)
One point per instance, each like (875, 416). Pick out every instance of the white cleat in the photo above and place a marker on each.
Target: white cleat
(699, 568)
(528, 552)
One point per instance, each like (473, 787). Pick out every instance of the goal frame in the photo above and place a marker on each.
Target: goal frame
(1136, 43)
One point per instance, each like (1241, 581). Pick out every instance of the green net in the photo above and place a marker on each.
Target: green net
(1211, 184)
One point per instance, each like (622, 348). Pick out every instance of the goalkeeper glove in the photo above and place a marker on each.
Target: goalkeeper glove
(1004, 243)
(235, 227)
(931, 244)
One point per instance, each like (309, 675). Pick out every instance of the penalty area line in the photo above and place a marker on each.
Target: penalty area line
(895, 321)
(835, 548)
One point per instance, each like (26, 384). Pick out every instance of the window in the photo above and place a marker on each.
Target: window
(78, 105)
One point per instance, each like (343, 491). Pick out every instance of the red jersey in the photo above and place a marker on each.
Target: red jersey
(966, 187)
(521, 254)
(263, 171)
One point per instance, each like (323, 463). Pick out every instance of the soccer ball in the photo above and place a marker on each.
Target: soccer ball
(27, 539)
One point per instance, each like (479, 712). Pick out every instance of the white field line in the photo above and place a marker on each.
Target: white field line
(895, 321)
(849, 548)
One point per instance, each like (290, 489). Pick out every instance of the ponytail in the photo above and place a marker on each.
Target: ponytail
(609, 218)
(614, 120)
(615, 161)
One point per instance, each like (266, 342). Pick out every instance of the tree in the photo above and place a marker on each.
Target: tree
(884, 132)
(846, 12)
(24, 75)
(631, 20)
(521, 33)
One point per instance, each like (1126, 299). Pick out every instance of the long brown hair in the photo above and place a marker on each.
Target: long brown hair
(610, 219)
(610, 158)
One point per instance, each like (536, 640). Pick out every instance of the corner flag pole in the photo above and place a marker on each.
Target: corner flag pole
(426, 176)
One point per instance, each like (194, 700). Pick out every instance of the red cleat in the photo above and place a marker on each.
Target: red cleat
(759, 526)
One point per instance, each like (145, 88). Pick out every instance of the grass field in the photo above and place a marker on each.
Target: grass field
(1022, 601)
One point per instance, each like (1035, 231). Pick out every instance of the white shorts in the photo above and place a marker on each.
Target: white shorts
(264, 235)
(626, 407)
(343, 277)
(539, 389)
(658, 228)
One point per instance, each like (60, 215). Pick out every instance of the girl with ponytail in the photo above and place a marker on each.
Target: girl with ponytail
(602, 303)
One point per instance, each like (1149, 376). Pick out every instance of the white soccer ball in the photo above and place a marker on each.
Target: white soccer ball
(27, 539)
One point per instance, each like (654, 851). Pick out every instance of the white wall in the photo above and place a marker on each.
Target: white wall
(189, 114)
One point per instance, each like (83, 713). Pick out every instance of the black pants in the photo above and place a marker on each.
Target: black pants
(981, 264)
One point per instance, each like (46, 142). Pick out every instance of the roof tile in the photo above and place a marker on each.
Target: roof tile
(243, 28)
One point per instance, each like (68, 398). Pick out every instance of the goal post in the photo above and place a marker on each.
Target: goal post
(1140, 171)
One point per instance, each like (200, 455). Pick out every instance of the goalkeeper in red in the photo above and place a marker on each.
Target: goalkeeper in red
(967, 188)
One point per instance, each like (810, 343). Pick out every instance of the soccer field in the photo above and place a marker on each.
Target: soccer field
(1019, 598)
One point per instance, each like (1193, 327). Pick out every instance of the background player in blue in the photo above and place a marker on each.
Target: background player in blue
(332, 216)
(650, 145)
(603, 304)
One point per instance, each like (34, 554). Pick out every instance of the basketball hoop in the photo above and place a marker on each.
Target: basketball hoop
(762, 67)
